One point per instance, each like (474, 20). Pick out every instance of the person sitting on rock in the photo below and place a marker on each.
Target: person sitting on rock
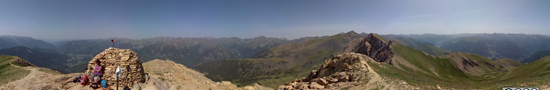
(97, 70)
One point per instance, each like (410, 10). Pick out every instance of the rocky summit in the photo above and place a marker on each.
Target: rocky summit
(373, 46)
(341, 71)
(126, 59)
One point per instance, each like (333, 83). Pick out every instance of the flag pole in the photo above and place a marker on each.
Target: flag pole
(113, 40)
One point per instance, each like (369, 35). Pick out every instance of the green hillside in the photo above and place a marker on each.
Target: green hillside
(509, 63)
(418, 45)
(491, 49)
(533, 74)
(9, 72)
(277, 65)
(536, 56)
(460, 70)
(41, 59)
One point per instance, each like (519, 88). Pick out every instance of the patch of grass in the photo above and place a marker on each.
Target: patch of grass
(421, 74)
(178, 87)
(10, 73)
(160, 78)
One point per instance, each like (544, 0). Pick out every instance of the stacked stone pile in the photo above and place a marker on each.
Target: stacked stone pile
(110, 59)
(340, 71)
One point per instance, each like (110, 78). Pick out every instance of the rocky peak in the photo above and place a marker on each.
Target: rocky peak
(340, 71)
(351, 32)
(372, 46)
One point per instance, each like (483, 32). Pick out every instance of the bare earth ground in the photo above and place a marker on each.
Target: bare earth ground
(378, 82)
(163, 75)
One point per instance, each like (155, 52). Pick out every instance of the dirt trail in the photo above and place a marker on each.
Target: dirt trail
(39, 80)
(378, 82)
(375, 81)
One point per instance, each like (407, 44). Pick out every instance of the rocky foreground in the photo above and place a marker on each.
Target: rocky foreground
(348, 70)
(162, 75)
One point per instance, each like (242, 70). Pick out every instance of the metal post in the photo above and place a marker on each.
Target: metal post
(113, 40)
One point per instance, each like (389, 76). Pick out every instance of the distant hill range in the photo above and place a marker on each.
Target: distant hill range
(277, 65)
(187, 51)
(39, 58)
(13, 41)
(488, 48)
(493, 46)
(536, 56)
(399, 64)
(194, 51)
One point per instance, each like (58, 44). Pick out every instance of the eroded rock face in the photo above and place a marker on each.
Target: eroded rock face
(341, 71)
(373, 46)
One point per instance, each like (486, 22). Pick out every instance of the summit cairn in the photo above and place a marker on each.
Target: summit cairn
(110, 59)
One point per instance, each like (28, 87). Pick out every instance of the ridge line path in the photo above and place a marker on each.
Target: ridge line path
(39, 80)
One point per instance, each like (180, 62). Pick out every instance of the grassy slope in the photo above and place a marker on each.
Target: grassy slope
(532, 74)
(300, 60)
(432, 50)
(8, 72)
(536, 56)
(509, 63)
(418, 45)
(449, 76)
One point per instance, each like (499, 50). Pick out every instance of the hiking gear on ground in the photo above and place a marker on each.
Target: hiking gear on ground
(77, 79)
(83, 80)
(94, 85)
(104, 83)
(96, 79)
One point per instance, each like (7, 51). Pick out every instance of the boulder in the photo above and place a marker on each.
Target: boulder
(289, 88)
(316, 86)
(342, 76)
(302, 86)
(333, 80)
(320, 81)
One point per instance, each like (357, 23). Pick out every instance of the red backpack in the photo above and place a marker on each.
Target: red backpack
(83, 80)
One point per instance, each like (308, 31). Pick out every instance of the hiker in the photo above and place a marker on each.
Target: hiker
(97, 70)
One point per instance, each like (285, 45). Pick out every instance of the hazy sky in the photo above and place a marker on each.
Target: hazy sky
(86, 19)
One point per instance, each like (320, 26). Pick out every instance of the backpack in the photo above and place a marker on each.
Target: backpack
(83, 80)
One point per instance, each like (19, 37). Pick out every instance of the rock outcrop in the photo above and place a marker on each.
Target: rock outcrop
(21, 61)
(341, 71)
(373, 46)
(128, 61)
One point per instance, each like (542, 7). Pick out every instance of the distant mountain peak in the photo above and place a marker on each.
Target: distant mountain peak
(351, 32)
(373, 46)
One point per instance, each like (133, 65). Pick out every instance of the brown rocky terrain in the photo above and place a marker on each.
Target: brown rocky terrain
(163, 75)
(348, 70)
(158, 75)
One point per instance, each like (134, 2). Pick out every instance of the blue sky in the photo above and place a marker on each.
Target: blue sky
(291, 19)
